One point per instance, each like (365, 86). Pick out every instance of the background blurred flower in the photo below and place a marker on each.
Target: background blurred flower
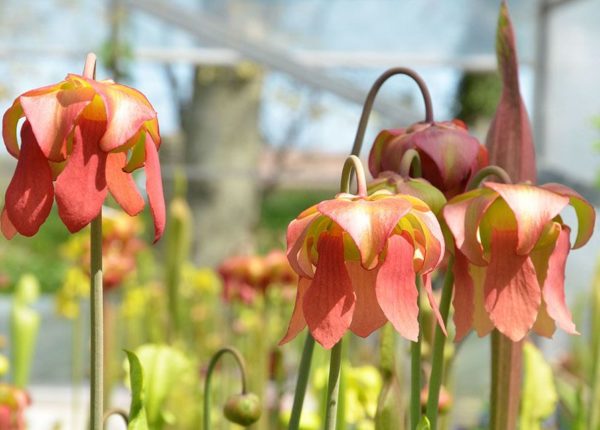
(13, 402)
(511, 252)
(244, 277)
(357, 258)
(81, 139)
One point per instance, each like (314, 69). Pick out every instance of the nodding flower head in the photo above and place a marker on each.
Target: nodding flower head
(511, 247)
(80, 140)
(450, 156)
(357, 258)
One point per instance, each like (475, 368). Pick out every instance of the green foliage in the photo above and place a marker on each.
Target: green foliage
(539, 397)
(137, 410)
(477, 96)
(424, 424)
(163, 368)
(24, 328)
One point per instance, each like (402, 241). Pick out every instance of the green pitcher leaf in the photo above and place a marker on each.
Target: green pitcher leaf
(424, 424)
(540, 398)
(137, 412)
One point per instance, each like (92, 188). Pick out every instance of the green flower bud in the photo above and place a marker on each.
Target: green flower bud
(243, 409)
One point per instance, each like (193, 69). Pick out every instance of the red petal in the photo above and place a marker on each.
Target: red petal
(433, 302)
(297, 322)
(554, 285)
(368, 315)
(329, 301)
(453, 153)
(377, 162)
(121, 184)
(30, 194)
(52, 114)
(81, 187)
(463, 297)
(533, 208)
(126, 112)
(369, 223)
(8, 229)
(154, 189)
(544, 325)
(481, 319)
(512, 292)
(396, 288)
(509, 139)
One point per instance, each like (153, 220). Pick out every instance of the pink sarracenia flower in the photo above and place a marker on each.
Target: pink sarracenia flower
(245, 277)
(450, 156)
(357, 258)
(511, 249)
(80, 140)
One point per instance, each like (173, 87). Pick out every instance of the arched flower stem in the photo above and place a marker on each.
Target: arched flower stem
(353, 164)
(119, 412)
(485, 172)
(211, 367)
(333, 387)
(96, 313)
(302, 382)
(410, 161)
(370, 100)
(439, 343)
(415, 367)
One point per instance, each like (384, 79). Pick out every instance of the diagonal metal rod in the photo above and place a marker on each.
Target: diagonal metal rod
(212, 29)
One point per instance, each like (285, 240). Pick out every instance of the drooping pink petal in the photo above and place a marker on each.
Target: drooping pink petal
(368, 315)
(554, 285)
(432, 242)
(433, 302)
(586, 214)
(396, 289)
(329, 302)
(30, 194)
(463, 301)
(296, 249)
(544, 325)
(8, 229)
(482, 323)
(533, 208)
(154, 188)
(81, 187)
(297, 322)
(121, 184)
(9, 127)
(512, 292)
(463, 215)
(509, 139)
(126, 111)
(53, 114)
(369, 223)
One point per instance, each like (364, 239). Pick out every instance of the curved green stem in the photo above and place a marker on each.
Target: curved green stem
(302, 382)
(415, 369)
(119, 412)
(410, 161)
(496, 171)
(211, 367)
(353, 164)
(370, 100)
(333, 386)
(439, 343)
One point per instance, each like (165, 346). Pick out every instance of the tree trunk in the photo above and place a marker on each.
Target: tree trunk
(222, 151)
